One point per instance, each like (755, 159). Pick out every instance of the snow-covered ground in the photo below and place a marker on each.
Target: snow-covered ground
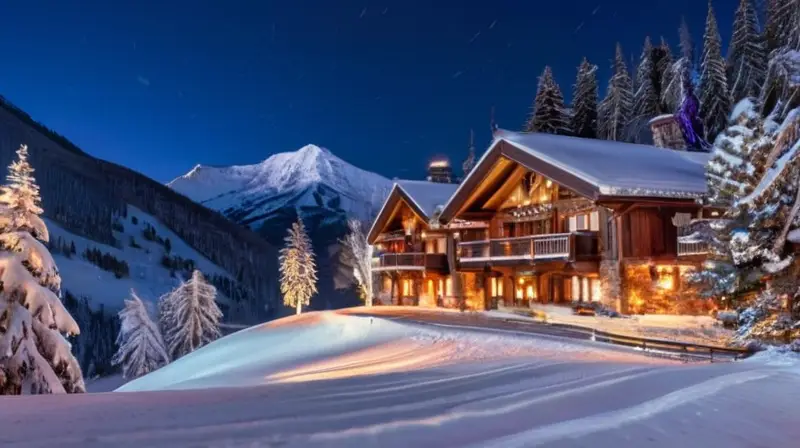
(330, 379)
(147, 276)
(694, 329)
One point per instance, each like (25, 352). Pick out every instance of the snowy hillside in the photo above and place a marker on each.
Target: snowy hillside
(147, 275)
(310, 177)
(332, 380)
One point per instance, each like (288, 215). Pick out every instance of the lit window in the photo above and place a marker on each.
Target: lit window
(597, 291)
(529, 292)
(448, 291)
(406, 288)
(585, 291)
(594, 222)
(576, 288)
(519, 293)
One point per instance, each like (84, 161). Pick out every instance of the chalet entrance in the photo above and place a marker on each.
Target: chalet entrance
(557, 295)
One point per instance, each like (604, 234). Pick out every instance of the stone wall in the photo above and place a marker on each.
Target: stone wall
(611, 284)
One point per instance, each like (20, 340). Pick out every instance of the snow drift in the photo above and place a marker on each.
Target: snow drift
(328, 345)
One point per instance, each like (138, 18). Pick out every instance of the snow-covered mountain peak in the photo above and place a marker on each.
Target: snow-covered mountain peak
(287, 178)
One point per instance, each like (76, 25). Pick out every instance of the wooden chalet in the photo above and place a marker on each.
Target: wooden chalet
(412, 248)
(549, 219)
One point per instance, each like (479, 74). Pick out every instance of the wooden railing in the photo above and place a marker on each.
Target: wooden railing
(692, 248)
(412, 260)
(536, 247)
(392, 236)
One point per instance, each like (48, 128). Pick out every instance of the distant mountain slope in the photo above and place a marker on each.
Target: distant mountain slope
(87, 201)
(312, 183)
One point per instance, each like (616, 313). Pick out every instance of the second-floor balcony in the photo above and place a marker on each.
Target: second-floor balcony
(556, 246)
(690, 248)
(410, 261)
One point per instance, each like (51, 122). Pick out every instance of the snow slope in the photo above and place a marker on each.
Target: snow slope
(248, 193)
(147, 276)
(344, 381)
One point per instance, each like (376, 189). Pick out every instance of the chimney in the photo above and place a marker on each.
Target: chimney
(440, 171)
(667, 132)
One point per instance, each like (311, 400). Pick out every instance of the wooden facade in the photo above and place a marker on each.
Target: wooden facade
(521, 229)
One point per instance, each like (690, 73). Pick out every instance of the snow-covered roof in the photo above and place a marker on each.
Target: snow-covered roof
(618, 169)
(422, 196)
(427, 195)
(596, 169)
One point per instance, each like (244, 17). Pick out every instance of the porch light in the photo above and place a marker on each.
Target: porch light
(548, 183)
(423, 234)
(521, 280)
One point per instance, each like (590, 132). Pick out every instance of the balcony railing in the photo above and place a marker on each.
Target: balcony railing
(411, 261)
(392, 236)
(692, 248)
(529, 248)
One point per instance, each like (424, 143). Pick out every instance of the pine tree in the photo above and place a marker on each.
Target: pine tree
(298, 269)
(715, 102)
(584, 101)
(736, 165)
(34, 356)
(469, 162)
(549, 114)
(141, 346)
(617, 107)
(359, 254)
(746, 58)
(782, 24)
(678, 72)
(646, 99)
(664, 75)
(190, 316)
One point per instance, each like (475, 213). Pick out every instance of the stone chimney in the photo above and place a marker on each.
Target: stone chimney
(667, 133)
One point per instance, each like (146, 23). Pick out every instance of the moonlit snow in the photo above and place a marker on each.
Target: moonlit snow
(332, 379)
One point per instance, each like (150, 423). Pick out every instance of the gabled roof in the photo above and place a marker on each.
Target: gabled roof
(421, 196)
(592, 168)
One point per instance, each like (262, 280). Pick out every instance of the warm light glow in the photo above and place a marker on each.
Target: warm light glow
(666, 282)
(456, 235)
(448, 287)
(529, 292)
(406, 288)
(543, 198)
(548, 183)
(439, 164)
(597, 290)
(585, 291)
(423, 234)
(521, 280)
(519, 293)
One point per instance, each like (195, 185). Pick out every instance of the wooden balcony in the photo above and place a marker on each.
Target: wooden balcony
(527, 249)
(411, 261)
(692, 248)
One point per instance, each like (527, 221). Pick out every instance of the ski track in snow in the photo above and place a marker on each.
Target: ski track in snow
(334, 380)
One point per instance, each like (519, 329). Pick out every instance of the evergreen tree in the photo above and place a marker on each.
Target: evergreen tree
(646, 99)
(469, 162)
(664, 75)
(549, 114)
(715, 102)
(746, 58)
(584, 101)
(359, 254)
(298, 269)
(34, 356)
(736, 165)
(141, 346)
(782, 24)
(190, 316)
(617, 107)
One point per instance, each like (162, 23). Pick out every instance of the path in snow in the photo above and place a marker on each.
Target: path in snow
(347, 381)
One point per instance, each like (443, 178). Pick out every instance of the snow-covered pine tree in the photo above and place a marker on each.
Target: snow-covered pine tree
(617, 107)
(584, 101)
(34, 356)
(549, 115)
(715, 103)
(190, 316)
(141, 346)
(359, 253)
(746, 56)
(469, 162)
(298, 269)
(664, 74)
(733, 172)
(646, 98)
(782, 17)
(775, 206)
(674, 76)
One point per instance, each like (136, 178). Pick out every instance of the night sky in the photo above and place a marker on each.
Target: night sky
(160, 86)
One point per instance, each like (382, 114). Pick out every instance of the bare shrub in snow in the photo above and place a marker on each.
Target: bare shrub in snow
(34, 356)
(359, 253)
